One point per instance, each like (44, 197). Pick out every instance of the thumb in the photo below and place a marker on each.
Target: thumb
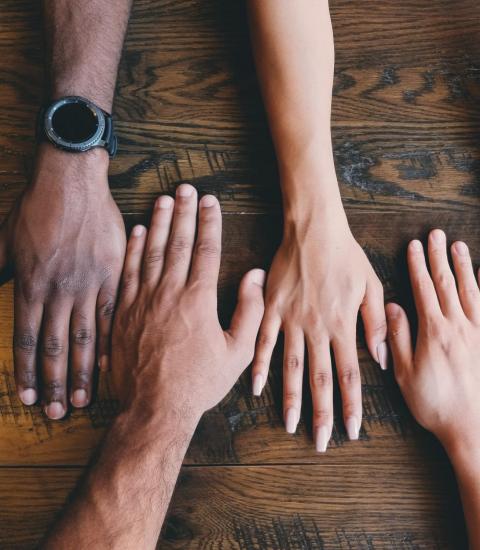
(399, 338)
(248, 314)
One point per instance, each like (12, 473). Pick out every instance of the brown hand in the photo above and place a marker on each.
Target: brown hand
(67, 242)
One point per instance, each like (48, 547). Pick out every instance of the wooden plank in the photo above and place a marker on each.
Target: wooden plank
(341, 507)
(245, 429)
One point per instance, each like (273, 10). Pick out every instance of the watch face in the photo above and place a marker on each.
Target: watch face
(74, 123)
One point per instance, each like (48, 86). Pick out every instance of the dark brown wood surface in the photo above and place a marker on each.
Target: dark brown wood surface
(406, 131)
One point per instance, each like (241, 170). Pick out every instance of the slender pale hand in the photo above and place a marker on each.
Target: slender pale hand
(440, 376)
(320, 278)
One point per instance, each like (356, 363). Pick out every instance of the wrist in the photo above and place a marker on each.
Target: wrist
(464, 453)
(55, 167)
(151, 417)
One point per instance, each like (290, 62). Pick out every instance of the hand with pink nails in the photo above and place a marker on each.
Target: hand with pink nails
(319, 280)
(440, 376)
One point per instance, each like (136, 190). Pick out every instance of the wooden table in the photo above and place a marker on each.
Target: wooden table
(406, 132)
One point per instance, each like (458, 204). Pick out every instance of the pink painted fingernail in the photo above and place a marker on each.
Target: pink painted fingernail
(257, 384)
(55, 410)
(352, 428)
(79, 398)
(382, 354)
(291, 420)
(28, 397)
(321, 439)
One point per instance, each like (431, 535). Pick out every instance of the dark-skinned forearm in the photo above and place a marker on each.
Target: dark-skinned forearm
(125, 497)
(84, 44)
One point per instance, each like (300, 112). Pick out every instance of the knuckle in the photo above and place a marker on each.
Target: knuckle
(291, 397)
(82, 337)
(25, 342)
(53, 346)
(208, 248)
(179, 244)
(321, 379)
(321, 416)
(81, 377)
(154, 256)
(380, 328)
(349, 375)
(445, 280)
(107, 308)
(26, 377)
(292, 363)
(54, 388)
(129, 279)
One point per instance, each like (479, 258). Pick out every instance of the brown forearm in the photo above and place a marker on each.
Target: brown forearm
(125, 496)
(84, 42)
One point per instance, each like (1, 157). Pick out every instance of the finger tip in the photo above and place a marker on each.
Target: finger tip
(79, 398)
(185, 190)
(55, 410)
(164, 201)
(207, 201)
(27, 396)
(258, 276)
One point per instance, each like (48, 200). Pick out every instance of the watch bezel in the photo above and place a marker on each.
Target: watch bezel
(86, 145)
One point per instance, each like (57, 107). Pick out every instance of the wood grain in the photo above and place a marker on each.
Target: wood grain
(313, 507)
(405, 125)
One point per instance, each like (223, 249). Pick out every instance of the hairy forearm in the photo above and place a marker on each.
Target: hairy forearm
(84, 43)
(294, 52)
(125, 496)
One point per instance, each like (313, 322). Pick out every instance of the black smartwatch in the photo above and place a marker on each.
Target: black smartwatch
(77, 125)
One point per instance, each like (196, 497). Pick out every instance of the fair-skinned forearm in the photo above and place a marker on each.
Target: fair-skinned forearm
(294, 52)
(466, 463)
(125, 497)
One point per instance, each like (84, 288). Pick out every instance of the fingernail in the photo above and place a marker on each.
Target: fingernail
(291, 421)
(55, 410)
(28, 397)
(208, 201)
(258, 277)
(257, 384)
(416, 245)
(321, 439)
(103, 363)
(352, 428)
(164, 202)
(79, 398)
(382, 354)
(184, 190)
(138, 230)
(461, 248)
(438, 235)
